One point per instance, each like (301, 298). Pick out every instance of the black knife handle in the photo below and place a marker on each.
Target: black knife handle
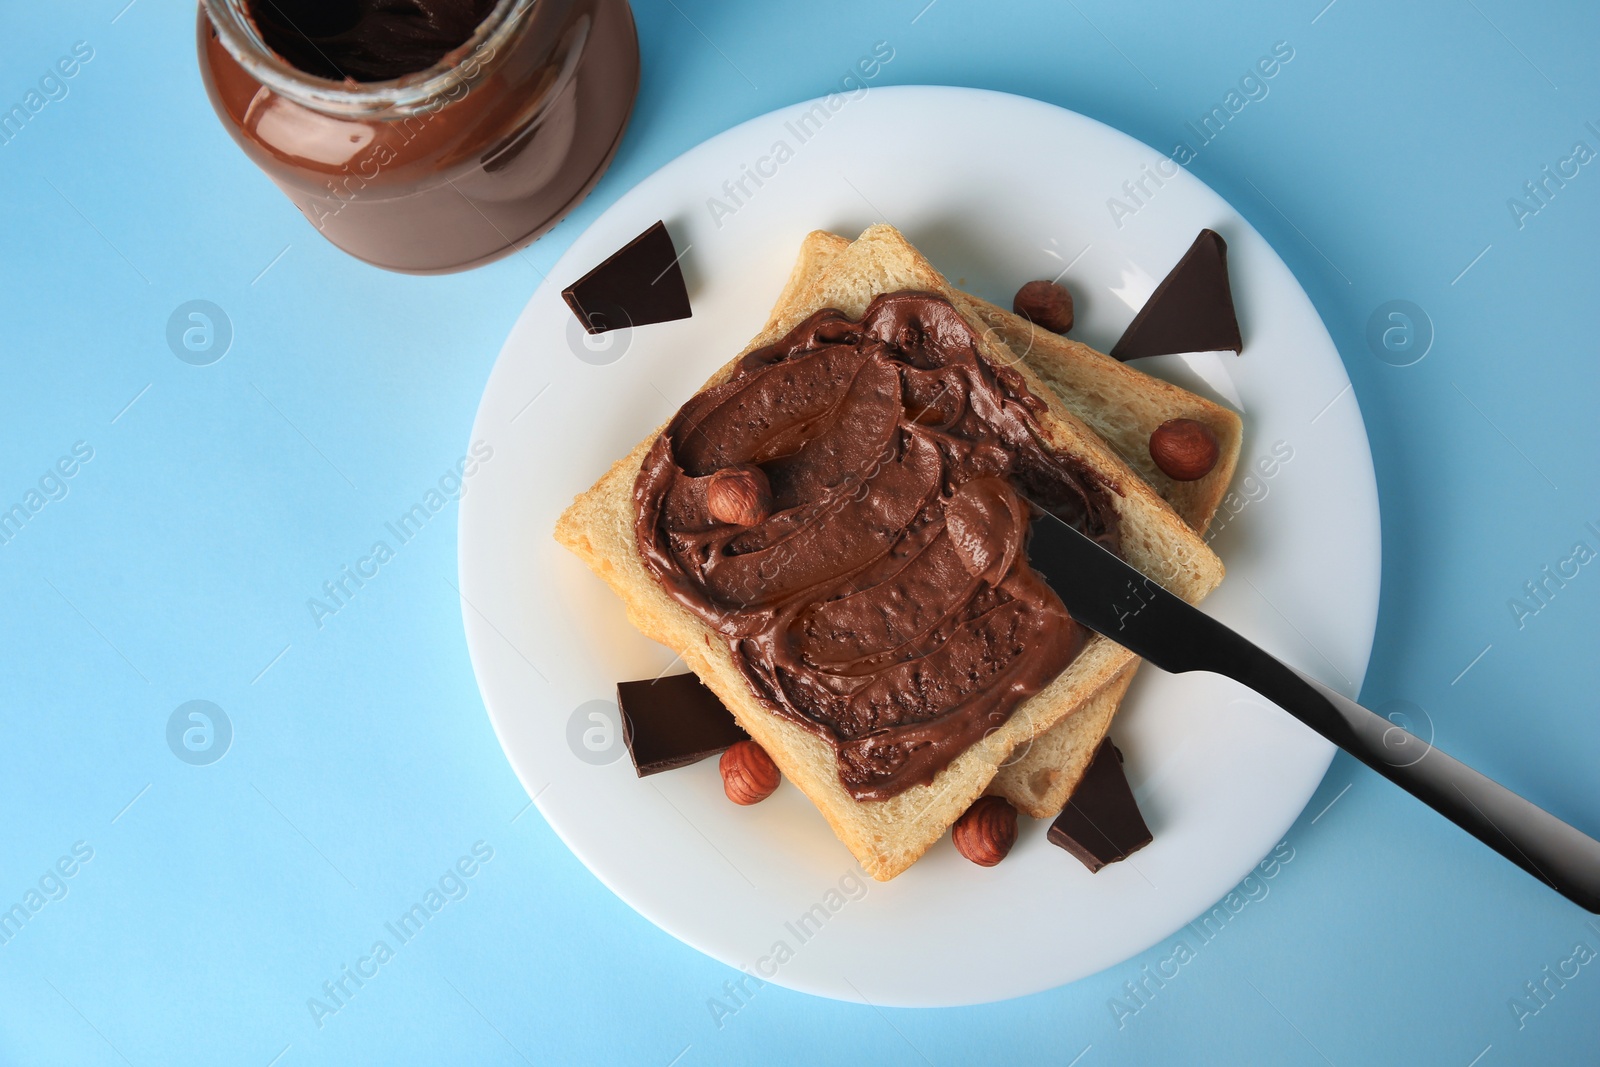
(1107, 595)
(1561, 856)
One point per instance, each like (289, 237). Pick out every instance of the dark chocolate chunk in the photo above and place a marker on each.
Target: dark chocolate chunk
(638, 284)
(1101, 824)
(1190, 311)
(673, 722)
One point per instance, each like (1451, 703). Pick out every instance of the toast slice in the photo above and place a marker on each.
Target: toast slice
(1124, 406)
(887, 836)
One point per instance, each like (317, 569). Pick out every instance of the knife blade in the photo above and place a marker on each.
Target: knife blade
(1111, 598)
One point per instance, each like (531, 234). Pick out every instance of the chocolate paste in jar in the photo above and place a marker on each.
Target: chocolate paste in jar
(424, 135)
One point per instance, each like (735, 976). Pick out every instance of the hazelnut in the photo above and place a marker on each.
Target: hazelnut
(986, 831)
(748, 774)
(739, 496)
(1184, 449)
(1045, 304)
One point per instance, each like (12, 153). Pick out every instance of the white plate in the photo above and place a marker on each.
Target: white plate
(1219, 774)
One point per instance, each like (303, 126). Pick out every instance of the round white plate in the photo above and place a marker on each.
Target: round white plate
(1219, 774)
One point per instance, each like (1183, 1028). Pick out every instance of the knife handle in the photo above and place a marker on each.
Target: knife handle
(1561, 856)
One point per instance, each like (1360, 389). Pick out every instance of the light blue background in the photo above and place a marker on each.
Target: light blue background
(220, 898)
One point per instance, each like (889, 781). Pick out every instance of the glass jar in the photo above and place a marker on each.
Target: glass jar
(449, 167)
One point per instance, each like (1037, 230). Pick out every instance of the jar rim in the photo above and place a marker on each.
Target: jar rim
(244, 42)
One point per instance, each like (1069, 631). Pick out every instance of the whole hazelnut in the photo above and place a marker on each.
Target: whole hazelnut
(986, 831)
(1184, 449)
(1045, 304)
(739, 496)
(748, 774)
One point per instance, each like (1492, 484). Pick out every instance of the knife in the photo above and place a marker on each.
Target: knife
(1111, 598)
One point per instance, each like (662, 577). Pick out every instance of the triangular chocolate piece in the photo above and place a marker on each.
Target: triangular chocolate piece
(1101, 824)
(673, 722)
(1190, 311)
(638, 284)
